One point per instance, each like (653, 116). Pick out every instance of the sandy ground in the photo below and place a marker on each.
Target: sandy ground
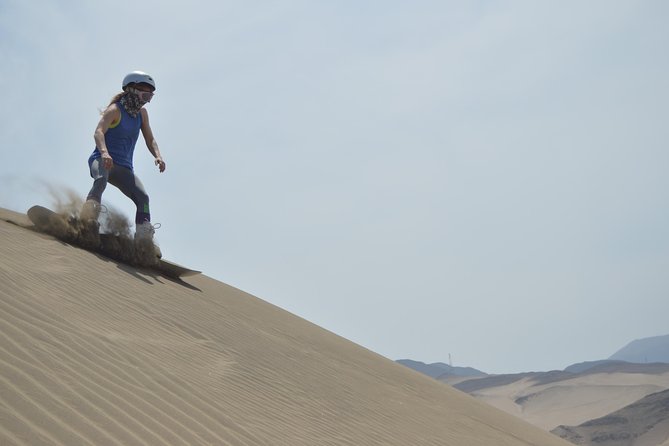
(643, 423)
(95, 352)
(574, 401)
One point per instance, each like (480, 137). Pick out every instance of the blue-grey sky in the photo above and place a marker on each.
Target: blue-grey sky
(485, 179)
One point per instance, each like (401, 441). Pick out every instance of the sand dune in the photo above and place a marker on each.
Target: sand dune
(643, 423)
(548, 403)
(93, 352)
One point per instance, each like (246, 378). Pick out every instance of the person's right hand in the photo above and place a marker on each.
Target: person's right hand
(107, 161)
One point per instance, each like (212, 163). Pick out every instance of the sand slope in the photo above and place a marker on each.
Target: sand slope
(643, 423)
(96, 352)
(551, 399)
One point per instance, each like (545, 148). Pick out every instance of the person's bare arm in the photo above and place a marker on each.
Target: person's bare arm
(150, 140)
(110, 116)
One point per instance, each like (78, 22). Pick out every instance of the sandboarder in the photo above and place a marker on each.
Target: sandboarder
(112, 160)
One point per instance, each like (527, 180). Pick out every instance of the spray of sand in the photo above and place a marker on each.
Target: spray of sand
(113, 237)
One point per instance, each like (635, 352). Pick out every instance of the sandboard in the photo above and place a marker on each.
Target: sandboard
(175, 270)
(48, 221)
(109, 245)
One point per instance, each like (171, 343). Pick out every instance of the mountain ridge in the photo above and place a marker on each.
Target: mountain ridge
(652, 349)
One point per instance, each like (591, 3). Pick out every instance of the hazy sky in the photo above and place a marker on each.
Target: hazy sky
(481, 178)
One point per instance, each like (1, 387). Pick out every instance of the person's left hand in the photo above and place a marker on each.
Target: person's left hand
(161, 164)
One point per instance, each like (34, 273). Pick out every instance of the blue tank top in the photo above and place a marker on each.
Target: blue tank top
(121, 139)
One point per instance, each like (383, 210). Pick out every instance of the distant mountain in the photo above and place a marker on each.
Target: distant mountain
(439, 369)
(646, 350)
(585, 366)
(577, 370)
(644, 422)
(607, 366)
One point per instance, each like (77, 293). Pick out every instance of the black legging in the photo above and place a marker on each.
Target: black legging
(126, 181)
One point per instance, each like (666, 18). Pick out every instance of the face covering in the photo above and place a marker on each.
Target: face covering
(132, 103)
(135, 99)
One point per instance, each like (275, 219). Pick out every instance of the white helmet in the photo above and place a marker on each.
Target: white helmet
(138, 77)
